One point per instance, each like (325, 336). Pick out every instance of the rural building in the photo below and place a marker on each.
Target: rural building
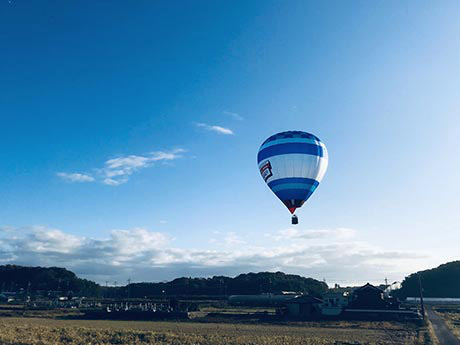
(369, 302)
(368, 297)
(334, 303)
(303, 307)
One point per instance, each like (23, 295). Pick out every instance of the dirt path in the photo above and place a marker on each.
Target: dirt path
(441, 330)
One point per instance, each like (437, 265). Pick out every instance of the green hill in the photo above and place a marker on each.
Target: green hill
(250, 283)
(442, 281)
(15, 278)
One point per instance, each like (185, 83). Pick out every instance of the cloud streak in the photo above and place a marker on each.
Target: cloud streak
(118, 170)
(146, 255)
(235, 116)
(75, 177)
(216, 129)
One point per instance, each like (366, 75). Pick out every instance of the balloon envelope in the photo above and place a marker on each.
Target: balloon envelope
(292, 164)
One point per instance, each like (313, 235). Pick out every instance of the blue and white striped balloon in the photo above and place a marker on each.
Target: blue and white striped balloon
(292, 164)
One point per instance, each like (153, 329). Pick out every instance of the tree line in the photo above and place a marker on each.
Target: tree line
(442, 281)
(243, 284)
(35, 279)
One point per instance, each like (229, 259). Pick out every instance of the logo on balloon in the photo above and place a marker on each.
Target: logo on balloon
(266, 170)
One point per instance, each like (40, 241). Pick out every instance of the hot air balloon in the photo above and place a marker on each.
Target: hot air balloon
(292, 164)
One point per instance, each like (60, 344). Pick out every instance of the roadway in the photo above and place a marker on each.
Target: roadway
(441, 330)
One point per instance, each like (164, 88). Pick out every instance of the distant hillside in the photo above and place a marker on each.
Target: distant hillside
(442, 281)
(15, 278)
(250, 283)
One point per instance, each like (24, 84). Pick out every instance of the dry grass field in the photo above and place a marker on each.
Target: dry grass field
(452, 317)
(45, 331)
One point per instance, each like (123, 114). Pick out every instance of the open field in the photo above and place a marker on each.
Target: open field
(45, 331)
(451, 315)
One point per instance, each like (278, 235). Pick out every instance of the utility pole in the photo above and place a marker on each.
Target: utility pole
(421, 296)
(26, 298)
(129, 287)
(221, 286)
(115, 291)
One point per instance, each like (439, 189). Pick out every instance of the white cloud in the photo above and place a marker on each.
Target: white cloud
(236, 116)
(232, 239)
(331, 234)
(75, 177)
(166, 156)
(144, 255)
(217, 129)
(117, 170)
(128, 162)
(112, 182)
(46, 240)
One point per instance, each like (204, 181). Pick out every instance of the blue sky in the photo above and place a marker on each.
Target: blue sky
(129, 133)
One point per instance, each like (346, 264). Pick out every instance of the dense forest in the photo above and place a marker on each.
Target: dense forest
(15, 278)
(442, 281)
(250, 283)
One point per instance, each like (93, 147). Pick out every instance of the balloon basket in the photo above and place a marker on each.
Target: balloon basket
(295, 220)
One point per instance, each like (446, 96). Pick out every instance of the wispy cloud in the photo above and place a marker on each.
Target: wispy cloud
(236, 116)
(216, 129)
(336, 254)
(295, 234)
(117, 170)
(75, 177)
(232, 239)
(115, 182)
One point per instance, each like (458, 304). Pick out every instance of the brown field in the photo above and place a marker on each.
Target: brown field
(46, 331)
(452, 317)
